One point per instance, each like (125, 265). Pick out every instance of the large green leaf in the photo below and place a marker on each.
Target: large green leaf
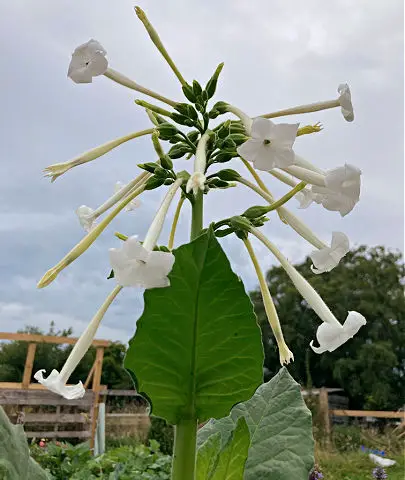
(281, 446)
(228, 463)
(197, 349)
(15, 460)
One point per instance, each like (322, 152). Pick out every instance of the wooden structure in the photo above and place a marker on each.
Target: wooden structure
(31, 394)
(327, 413)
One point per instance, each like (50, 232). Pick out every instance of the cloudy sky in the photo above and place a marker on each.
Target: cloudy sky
(277, 54)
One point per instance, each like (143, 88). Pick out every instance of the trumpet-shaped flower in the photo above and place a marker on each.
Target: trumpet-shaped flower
(341, 191)
(131, 205)
(345, 100)
(86, 217)
(331, 336)
(88, 61)
(56, 382)
(270, 145)
(306, 197)
(196, 181)
(135, 265)
(325, 259)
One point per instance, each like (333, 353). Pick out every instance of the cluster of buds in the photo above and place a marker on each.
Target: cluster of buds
(257, 144)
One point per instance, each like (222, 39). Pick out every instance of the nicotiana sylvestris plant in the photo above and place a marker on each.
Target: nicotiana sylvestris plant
(197, 352)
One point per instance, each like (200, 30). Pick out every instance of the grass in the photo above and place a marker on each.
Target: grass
(355, 466)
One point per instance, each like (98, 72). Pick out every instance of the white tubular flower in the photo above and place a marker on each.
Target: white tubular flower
(244, 118)
(331, 337)
(341, 191)
(56, 382)
(306, 197)
(138, 265)
(270, 145)
(136, 203)
(196, 181)
(134, 265)
(308, 176)
(88, 61)
(345, 100)
(331, 334)
(327, 258)
(303, 230)
(86, 217)
(58, 169)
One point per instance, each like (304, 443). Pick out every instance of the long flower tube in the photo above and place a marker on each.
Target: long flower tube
(284, 352)
(88, 216)
(87, 241)
(127, 82)
(56, 170)
(175, 222)
(331, 334)
(196, 181)
(56, 382)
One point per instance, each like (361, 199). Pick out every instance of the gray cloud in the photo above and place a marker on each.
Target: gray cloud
(277, 54)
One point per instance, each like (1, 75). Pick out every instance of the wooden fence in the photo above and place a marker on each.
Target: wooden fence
(27, 394)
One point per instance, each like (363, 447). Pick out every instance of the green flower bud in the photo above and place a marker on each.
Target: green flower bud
(240, 223)
(193, 136)
(228, 143)
(212, 82)
(224, 131)
(224, 232)
(217, 183)
(197, 88)
(178, 150)
(176, 139)
(168, 181)
(238, 138)
(186, 110)
(188, 92)
(149, 167)
(259, 222)
(154, 182)
(223, 157)
(167, 130)
(184, 175)
(254, 212)
(181, 119)
(166, 162)
(160, 172)
(228, 174)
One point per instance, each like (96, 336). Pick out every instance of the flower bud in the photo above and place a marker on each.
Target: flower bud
(154, 182)
(178, 150)
(240, 223)
(188, 92)
(186, 110)
(224, 232)
(182, 119)
(166, 162)
(149, 167)
(167, 130)
(212, 82)
(256, 211)
(228, 175)
(197, 89)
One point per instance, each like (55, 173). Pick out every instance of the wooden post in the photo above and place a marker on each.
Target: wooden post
(29, 363)
(98, 368)
(324, 413)
(89, 376)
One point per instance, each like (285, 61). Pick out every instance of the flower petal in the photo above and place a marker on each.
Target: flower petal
(86, 218)
(262, 128)
(265, 158)
(55, 384)
(284, 156)
(353, 323)
(88, 61)
(345, 99)
(284, 134)
(249, 150)
(325, 259)
(134, 250)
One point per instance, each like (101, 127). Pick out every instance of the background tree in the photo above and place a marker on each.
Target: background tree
(371, 366)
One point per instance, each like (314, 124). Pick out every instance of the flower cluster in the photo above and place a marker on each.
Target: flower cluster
(257, 144)
(379, 473)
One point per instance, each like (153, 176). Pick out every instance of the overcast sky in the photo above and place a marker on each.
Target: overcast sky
(277, 54)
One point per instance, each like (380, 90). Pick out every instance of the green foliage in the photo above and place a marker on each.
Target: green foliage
(371, 366)
(163, 433)
(49, 356)
(281, 443)
(214, 463)
(15, 460)
(197, 349)
(66, 462)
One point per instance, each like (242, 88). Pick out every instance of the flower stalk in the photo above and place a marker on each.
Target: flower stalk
(175, 222)
(284, 352)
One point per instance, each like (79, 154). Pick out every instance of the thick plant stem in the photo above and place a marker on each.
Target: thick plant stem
(197, 216)
(185, 446)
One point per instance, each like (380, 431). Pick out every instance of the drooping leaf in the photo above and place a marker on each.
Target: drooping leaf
(197, 348)
(281, 446)
(15, 460)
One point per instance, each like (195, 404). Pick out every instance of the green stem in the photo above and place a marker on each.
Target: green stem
(197, 215)
(185, 446)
